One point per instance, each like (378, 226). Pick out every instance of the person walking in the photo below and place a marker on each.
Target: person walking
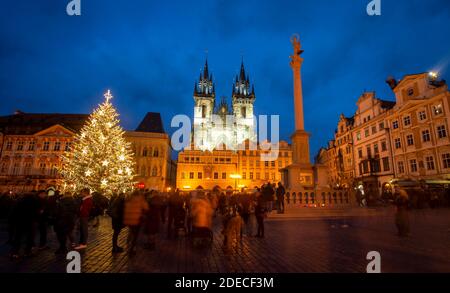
(66, 211)
(42, 219)
(280, 198)
(116, 212)
(260, 213)
(135, 208)
(152, 218)
(25, 216)
(85, 212)
(401, 215)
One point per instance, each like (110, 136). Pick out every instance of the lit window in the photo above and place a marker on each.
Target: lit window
(426, 135)
(413, 165)
(397, 143)
(401, 167)
(358, 136)
(57, 146)
(31, 145)
(407, 120)
(422, 115)
(46, 146)
(383, 146)
(446, 160)
(251, 175)
(430, 162)
(386, 164)
(441, 131)
(9, 145)
(200, 175)
(191, 175)
(224, 175)
(410, 139)
(366, 132)
(395, 124)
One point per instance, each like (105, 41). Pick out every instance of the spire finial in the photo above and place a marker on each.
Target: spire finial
(108, 95)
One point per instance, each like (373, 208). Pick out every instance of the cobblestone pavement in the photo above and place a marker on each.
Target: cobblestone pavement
(310, 244)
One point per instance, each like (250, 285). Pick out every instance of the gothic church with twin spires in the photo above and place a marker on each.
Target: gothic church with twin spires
(216, 125)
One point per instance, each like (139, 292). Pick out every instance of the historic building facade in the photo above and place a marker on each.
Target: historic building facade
(220, 155)
(405, 139)
(33, 145)
(228, 169)
(420, 128)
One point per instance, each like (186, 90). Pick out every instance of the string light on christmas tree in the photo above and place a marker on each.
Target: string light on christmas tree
(100, 158)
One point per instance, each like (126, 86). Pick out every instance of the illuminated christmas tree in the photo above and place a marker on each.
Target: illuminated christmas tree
(100, 158)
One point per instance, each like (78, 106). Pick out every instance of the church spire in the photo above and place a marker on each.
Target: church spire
(205, 86)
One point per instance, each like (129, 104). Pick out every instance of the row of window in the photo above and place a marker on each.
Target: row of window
(429, 164)
(272, 164)
(148, 152)
(376, 149)
(372, 128)
(257, 153)
(426, 137)
(27, 169)
(144, 171)
(374, 166)
(46, 146)
(422, 115)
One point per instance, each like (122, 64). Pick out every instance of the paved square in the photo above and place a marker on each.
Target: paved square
(303, 240)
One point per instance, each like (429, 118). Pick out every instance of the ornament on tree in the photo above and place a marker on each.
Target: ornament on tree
(100, 154)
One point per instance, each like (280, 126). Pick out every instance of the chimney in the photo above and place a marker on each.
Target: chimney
(391, 82)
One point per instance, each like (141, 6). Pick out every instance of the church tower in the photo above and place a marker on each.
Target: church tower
(204, 97)
(243, 98)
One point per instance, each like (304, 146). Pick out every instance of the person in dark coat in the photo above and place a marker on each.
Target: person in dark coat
(115, 211)
(175, 205)
(42, 218)
(66, 211)
(85, 212)
(280, 197)
(260, 213)
(153, 216)
(401, 215)
(24, 216)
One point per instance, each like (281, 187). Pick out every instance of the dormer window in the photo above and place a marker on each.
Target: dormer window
(410, 92)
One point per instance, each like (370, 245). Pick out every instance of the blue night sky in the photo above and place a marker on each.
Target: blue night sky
(150, 53)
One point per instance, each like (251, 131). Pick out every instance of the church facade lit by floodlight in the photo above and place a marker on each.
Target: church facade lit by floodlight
(224, 150)
(217, 124)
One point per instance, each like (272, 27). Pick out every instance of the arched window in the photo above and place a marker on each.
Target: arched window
(144, 152)
(156, 152)
(203, 111)
(300, 197)
(154, 171)
(313, 200)
(329, 197)
(306, 198)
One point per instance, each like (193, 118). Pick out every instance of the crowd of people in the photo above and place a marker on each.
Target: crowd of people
(32, 215)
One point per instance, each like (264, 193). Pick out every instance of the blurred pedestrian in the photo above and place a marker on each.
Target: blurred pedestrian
(152, 218)
(24, 216)
(135, 208)
(85, 212)
(260, 214)
(116, 212)
(280, 198)
(66, 211)
(42, 219)
(401, 215)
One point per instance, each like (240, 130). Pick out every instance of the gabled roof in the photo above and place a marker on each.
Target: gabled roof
(29, 123)
(152, 122)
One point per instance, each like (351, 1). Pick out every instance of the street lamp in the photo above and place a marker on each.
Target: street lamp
(236, 177)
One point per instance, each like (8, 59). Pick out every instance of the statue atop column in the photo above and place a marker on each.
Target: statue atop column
(296, 60)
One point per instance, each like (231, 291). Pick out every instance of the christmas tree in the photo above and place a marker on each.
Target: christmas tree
(100, 158)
